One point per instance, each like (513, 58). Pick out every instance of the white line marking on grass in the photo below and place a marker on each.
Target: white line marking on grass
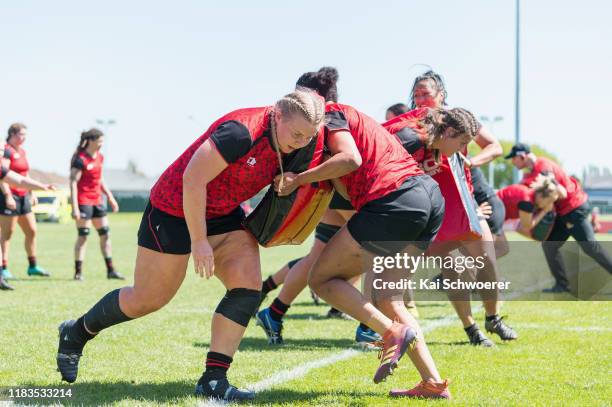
(301, 370)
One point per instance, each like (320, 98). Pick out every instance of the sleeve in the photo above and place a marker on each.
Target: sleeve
(7, 154)
(410, 140)
(77, 163)
(336, 120)
(3, 172)
(232, 139)
(526, 206)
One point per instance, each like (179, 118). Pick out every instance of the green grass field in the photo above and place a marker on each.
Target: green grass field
(563, 356)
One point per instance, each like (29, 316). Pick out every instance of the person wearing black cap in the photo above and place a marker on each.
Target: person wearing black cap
(572, 215)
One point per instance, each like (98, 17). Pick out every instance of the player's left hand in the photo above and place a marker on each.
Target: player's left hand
(485, 209)
(289, 183)
(33, 200)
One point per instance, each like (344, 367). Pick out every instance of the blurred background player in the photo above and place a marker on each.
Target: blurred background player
(86, 188)
(16, 204)
(572, 215)
(20, 181)
(395, 110)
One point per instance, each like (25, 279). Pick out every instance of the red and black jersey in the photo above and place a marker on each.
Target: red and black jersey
(575, 194)
(407, 128)
(385, 164)
(89, 186)
(242, 137)
(517, 197)
(19, 164)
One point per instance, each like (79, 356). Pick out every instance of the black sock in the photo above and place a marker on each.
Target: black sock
(105, 313)
(216, 366)
(334, 310)
(268, 286)
(109, 264)
(278, 309)
(492, 317)
(77, 337)
(471, 328)
(3, 264)
(32, 261)
(78, 265)
(364, 327)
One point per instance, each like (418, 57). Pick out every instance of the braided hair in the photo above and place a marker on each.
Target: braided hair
(437, 121)
(438, 84)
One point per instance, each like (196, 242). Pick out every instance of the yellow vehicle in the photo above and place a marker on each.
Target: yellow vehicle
(53, 206)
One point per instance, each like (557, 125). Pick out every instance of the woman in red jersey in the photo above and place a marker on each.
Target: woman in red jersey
(294, 274)
(572, 216)
(16, 203)
(529, 205)
(429, 90)
(395, 203)
(195, 209)
(17, 180)
(86, 188)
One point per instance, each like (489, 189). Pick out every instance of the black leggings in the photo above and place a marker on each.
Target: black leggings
(575, 224)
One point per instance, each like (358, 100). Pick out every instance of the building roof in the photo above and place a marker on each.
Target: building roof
(127, 179)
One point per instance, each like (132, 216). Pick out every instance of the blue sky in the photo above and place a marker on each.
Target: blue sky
(164, 71)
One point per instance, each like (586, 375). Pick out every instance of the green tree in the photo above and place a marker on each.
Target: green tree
(503, 168)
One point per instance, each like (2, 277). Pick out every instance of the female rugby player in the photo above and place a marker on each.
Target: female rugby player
(16, 203)
(86, 188)
(195, 208)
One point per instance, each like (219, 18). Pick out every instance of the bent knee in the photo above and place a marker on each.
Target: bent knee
(138, 304)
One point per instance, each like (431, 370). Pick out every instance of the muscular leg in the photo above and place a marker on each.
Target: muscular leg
(242, 271)
(341, 260)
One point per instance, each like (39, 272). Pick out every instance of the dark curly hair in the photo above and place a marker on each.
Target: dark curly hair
(323, 82)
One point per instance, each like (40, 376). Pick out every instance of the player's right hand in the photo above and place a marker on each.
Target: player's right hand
(203, 259)
(10, 202)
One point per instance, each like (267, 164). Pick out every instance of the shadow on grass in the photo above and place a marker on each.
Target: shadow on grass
(260, 344)
(175, 392)
(355, 398)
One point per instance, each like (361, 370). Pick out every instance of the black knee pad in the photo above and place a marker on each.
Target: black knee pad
(239, 304)
(83, 231)
(103, 231)
(293, 262)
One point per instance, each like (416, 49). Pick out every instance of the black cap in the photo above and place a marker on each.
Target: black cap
(517, 149)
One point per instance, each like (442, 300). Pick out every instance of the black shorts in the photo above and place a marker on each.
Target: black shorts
(23, 206)
(497, 217)
(165, 233)
(338, 202)
(412, 213)
(92, 211)
(324, 231)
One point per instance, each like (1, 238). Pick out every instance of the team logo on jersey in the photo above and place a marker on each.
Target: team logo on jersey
(16, 156)
(90, 166)
(430, 166)
(251, 161)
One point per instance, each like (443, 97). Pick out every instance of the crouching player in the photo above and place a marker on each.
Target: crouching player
(195, 208)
